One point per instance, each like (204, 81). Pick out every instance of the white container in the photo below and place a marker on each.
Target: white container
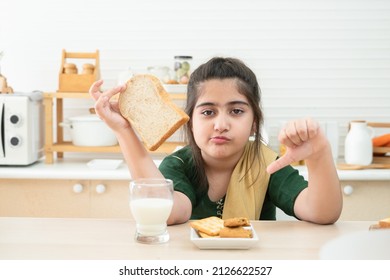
(90, 130)
(358, 144)
(162, 72)
(124, 76)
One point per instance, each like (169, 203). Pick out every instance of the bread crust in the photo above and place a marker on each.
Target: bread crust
(163, 96)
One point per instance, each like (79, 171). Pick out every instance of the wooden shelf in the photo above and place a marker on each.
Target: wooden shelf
(166, 148)
(56, 143)
(85, 95)
(381, 154)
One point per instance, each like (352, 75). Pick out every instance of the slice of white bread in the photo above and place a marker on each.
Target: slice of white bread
(149, 109)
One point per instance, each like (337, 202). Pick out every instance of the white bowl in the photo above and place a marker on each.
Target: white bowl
(90, 130)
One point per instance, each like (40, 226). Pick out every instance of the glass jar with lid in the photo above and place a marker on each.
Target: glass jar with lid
(182, 68)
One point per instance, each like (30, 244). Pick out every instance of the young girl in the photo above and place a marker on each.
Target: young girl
(223, 173)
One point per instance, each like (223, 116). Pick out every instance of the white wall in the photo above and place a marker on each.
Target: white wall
(327, 59)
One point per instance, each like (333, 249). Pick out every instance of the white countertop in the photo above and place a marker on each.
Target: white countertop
(76, 168)
(356, 175)
(66, 168)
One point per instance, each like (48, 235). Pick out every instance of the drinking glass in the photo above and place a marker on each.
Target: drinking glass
(151, 202)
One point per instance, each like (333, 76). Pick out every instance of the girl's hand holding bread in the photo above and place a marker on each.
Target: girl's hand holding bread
(107, 109)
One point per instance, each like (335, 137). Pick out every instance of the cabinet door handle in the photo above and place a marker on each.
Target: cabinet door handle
(348, 190)
(100, 188)
(78, 188)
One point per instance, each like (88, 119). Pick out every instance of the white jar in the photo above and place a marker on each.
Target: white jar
(358, 144)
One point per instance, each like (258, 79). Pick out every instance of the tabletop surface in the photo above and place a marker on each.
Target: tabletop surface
(112, 239)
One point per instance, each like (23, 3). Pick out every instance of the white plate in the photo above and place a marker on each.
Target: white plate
(223, 243)
(106, 164)
(175, 88)
(362, 245)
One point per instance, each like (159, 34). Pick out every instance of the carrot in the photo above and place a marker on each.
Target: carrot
(381, 141)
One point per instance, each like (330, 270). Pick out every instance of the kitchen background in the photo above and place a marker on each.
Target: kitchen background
(326, 59)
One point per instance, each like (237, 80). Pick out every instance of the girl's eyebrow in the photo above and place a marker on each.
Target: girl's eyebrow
(236, 102)
(205, 104)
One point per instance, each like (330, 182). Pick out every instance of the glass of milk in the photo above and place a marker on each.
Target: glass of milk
(151, 202)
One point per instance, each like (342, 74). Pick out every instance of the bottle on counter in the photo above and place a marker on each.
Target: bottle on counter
(358, 144)
(182, 68)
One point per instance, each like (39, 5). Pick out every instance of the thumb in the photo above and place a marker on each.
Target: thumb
(279, 163)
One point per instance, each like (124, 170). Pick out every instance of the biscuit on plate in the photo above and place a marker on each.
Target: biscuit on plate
(384, 223)
(236, 222)
(205, 235)
(210, 226)
(236, 232)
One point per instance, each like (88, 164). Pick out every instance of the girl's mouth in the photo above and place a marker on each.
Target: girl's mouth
(219, 139)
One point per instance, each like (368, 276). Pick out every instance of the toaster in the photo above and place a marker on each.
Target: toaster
(21, 128)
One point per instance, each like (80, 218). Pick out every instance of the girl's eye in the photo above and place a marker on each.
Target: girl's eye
(207, 112)
(237, 111)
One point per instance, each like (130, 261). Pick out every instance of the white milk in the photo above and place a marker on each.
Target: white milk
(151, 215)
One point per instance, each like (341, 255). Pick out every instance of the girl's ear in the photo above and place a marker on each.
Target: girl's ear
(254, 128)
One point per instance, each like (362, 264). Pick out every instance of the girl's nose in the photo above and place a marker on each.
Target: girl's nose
(221, 123)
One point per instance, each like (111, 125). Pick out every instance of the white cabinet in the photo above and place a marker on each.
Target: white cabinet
(64, 198)
(365, 200)
(362, 201)
(107, 198)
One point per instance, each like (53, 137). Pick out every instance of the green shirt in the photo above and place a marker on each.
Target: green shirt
(283, 188)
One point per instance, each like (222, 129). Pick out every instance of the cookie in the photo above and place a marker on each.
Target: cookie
(236, 222)
(236, 232)
(210, 226)
(384, 223)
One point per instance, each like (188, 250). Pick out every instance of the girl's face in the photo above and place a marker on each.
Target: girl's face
(222, 120)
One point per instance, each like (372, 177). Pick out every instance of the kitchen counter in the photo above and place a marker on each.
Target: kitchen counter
(47, 238)
(74, 168)
(356, 175)
(66, 168)
(68, 188)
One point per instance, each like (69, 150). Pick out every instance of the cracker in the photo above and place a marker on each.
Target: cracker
(210, 226)
(236, 222)
(235, 232)
(205, 235)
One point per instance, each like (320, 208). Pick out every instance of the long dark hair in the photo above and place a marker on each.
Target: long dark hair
(246, 82)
